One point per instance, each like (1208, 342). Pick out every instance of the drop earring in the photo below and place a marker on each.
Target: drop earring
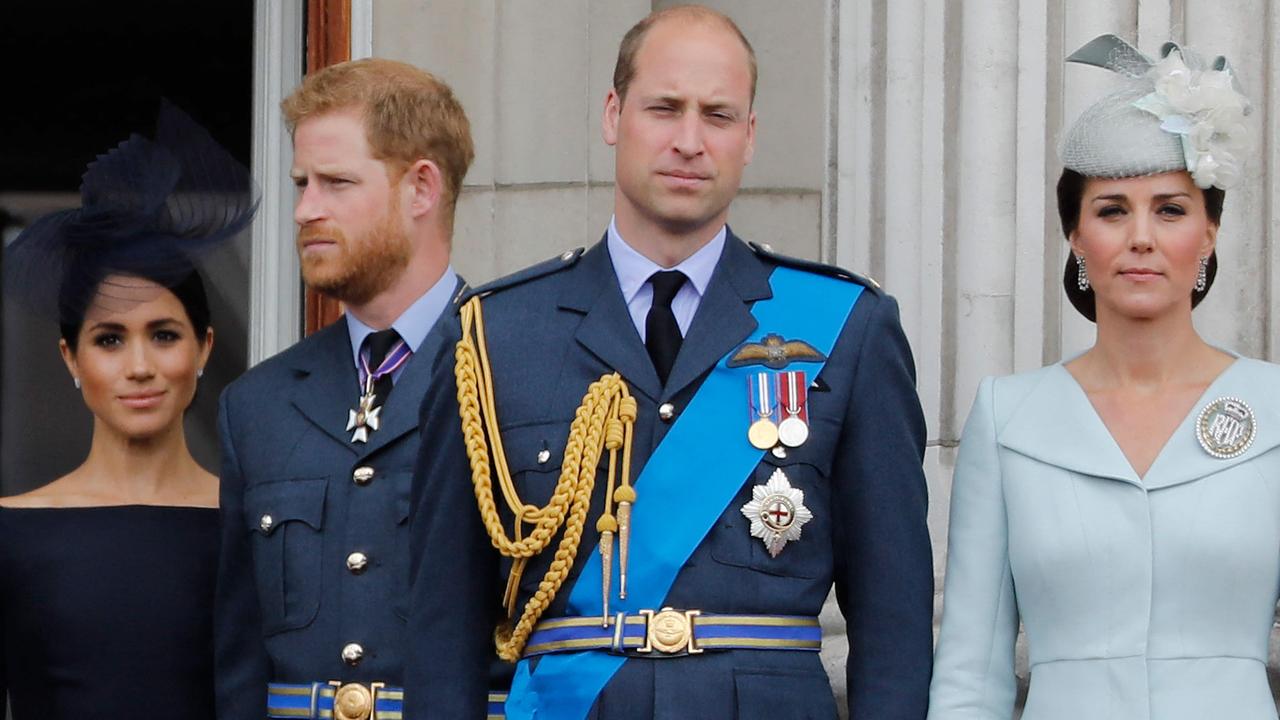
(1202, 277)
(76, 381)
(1082, 275)
(199, 373)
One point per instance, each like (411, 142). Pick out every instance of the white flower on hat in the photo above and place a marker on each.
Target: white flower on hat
(1204, 108)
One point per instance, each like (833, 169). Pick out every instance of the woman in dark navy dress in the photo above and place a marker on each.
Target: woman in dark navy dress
(107, 573)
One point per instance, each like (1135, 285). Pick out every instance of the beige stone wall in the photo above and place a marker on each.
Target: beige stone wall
(533, 78)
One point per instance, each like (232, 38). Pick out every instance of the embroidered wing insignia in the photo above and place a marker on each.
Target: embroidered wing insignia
(774, 352)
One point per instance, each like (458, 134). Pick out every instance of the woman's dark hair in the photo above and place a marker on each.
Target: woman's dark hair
(1070, 198)
(83, 281)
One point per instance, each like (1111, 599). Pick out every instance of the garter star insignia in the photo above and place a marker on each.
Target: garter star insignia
(777, 512)
(1226, 428)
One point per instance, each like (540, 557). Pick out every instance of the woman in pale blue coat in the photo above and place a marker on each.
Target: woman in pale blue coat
(1125, 505)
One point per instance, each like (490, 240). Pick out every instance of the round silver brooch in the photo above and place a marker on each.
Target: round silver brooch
(1226, 427)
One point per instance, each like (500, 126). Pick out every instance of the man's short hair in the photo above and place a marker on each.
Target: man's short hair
(409, 115)
(624, 70)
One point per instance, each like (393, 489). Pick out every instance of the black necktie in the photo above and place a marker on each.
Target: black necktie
(379, 344)
(661, 333)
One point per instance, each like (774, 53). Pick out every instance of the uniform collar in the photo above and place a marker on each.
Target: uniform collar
(633, 269)
(415, 322)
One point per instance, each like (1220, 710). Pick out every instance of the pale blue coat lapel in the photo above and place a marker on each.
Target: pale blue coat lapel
(1080, 442)
(1183, 460)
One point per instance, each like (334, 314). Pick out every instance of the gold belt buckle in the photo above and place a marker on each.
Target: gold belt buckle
(355, 701)
(670, 631)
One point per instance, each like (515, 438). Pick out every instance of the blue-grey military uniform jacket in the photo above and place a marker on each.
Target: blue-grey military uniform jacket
(299, 501)
(554, 329)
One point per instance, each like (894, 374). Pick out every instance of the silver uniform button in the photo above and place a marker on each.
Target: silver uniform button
(666, 412)
(543, 456)
(363, 475)
(266, 522)
(352, 653)
(357, 562)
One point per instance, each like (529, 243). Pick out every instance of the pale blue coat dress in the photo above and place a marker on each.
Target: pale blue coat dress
(1142, 598)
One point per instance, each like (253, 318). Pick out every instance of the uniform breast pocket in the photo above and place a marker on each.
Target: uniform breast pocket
(800, 489)
(285, 519)
(535, 454)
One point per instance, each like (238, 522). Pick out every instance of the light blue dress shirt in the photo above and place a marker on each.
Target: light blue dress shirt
(634, 270)
(414, 323)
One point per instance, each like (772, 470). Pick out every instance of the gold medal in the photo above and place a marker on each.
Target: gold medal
(763, 434)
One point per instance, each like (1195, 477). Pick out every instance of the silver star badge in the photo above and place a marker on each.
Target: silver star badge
(364, 418)
(777, 512)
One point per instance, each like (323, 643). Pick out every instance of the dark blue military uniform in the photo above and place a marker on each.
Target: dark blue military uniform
(556, 328)
(313, 578)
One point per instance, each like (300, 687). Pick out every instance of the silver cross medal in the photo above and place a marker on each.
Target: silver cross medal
(364, 418)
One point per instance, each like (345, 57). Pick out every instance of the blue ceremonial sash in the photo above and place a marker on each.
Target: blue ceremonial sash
(805, 306)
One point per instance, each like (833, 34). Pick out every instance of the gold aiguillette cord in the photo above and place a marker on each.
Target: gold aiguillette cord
(604, 420)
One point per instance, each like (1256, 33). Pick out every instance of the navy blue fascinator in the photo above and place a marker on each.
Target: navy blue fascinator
(148, 208)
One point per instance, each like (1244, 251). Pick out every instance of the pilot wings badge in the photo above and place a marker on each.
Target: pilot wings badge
(774, 352)
(777, 512)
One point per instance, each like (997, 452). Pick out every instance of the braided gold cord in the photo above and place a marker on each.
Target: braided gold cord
(604, 418)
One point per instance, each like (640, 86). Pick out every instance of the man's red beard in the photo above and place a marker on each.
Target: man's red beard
(357, 272)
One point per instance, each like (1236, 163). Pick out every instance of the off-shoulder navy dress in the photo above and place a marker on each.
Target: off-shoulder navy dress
(106, 612)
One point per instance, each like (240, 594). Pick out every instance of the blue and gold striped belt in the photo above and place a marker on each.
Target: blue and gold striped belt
(670, 633)
(335, 700)
(497, 706)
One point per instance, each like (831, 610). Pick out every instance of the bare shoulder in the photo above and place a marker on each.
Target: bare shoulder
(204, 490)
(59, 493)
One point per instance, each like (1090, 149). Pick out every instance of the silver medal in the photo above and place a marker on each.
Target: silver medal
(1226, 427)
(793, 431)
(364, 418)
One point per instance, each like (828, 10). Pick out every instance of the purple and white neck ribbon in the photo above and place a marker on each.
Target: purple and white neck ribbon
(395, 359)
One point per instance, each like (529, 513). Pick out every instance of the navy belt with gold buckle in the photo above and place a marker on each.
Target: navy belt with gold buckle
(673, 633)
(336, 700)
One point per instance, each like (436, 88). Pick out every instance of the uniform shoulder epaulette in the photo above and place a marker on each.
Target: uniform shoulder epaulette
(560, 262)
(767, 252)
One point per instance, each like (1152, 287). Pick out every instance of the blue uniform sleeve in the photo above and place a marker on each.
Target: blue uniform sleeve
(883, 558)
(242, 667)
(455, 595)
(973, 675)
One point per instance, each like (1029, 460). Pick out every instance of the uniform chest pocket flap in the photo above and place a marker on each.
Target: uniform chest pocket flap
(805, 472)
(285, 519)
(535, 454)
